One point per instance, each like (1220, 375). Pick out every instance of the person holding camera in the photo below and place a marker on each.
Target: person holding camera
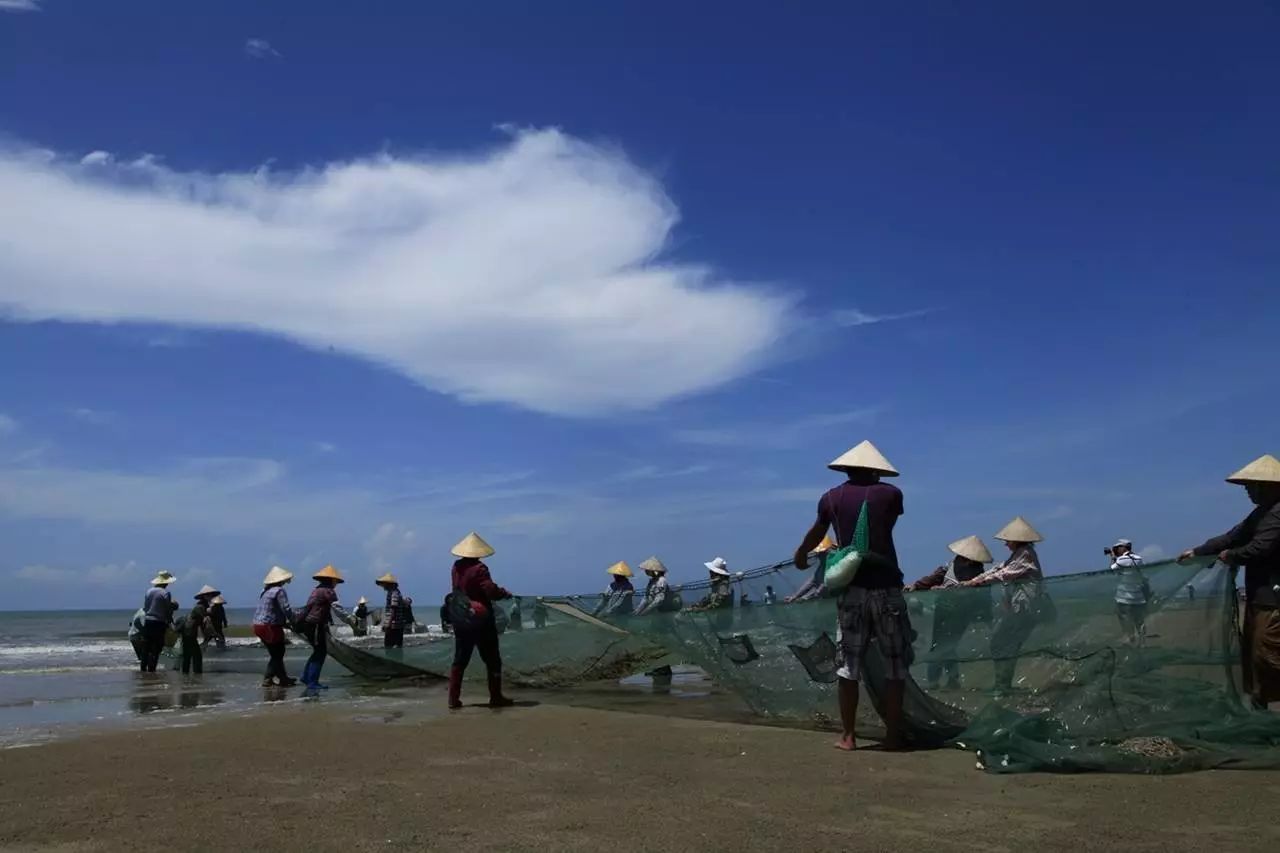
(1133, 593)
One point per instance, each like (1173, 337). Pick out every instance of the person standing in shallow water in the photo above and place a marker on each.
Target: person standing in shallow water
(270, 617)
(316, 621)
(872, 605)
(159, 607)
(1255, 544)
(957, 609)
(218, 620)
(197, 623)
(393, 612)
(470, 608)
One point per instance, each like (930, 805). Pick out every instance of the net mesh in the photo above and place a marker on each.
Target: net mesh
(1085, 689)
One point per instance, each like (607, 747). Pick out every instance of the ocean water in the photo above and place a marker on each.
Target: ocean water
(66, 672)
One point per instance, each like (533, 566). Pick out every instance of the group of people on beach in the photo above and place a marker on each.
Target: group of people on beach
(851, 537)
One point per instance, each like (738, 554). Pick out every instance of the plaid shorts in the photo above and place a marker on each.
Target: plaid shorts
(879, 614)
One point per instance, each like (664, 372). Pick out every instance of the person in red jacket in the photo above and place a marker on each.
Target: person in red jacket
(471, 613)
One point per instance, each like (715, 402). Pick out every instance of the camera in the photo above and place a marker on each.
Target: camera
(1110, 552)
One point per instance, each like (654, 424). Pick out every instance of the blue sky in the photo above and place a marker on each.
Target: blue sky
(299, 283)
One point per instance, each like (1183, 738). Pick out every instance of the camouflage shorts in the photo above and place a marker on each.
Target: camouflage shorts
(879, 614)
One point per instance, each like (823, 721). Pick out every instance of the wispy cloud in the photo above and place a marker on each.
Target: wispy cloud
(106, 574)
(778, 435)
(850, 317)
(19, 5)
(96, 417)
(391, 544)
(261, 49)
(554, 246)
(1152, 553)
(654, 472)
(8, 425)
(324, 446)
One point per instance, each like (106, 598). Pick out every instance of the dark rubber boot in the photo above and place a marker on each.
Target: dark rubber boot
(455, 687)
(496, 699)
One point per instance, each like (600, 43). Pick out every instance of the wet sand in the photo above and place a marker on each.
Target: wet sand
(557, 778)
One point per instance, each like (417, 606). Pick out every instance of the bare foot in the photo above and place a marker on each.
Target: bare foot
(846, 743)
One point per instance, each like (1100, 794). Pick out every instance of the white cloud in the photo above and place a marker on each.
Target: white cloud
(106, 574)
(653, 472)
(530, 275)
(261, 49)
(8, 425)
(324, 446)
(389, 545)
(19, 5)
(780, 435)
(851, 317)
(1152, 553)
(94, 416)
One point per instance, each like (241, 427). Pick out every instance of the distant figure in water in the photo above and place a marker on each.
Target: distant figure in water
(316, 619)
(218, 619)
(1255, 544)
(270, 617)
(470, 608)
(137, 635)
(1025, 599)
(1191, 592)
(769, 597)
(515, 617)
(872, 605)
(393, 612)
(743, 600)
(159, 608)
(197, 623)
(539, 613)
(956, 610)
(619, 597)
(360, 625)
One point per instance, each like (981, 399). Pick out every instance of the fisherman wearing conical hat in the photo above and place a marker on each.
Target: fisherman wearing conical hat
(470, 608)
(360, 617)
(619, 596)
(394, 612)
(159, 607)
(317, 616)
(658, 597)
(1255, 544)
(813, 587)
(955, 611)
(218, 620)
(197, 623)
(270, 617)
(1025, 599)
(865, 508)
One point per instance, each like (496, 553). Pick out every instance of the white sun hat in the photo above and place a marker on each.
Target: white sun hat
(865, 456)
(162, 578)
(718, 566)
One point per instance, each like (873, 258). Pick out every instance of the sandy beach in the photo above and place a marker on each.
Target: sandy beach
(556, 778)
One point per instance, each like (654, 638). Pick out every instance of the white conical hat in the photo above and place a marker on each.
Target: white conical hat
(473, 546)
(1019, 530)
(277, 575)
(208, 590)
(653, 564)
(865, 456)
(363, 600)
(971, 548)
(1264, 469)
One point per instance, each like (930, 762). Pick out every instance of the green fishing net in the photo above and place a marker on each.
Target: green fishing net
(1075, 690)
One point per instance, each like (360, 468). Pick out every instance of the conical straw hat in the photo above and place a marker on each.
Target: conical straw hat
(971, 548)
(162, 578)
(864, 456)
(328, 573)
(1019, 530)
(827, 544)
(653, 564)
(620, 568)
(218, 599)
(207, 590)
(1264, 469)
(387, 579)
(473, 546)
(277, 575)
(363, 600)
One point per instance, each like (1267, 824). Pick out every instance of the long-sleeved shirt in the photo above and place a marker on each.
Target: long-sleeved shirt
(135, 624)
(159, 605)
(618, 599)
(948, 575)
(721, 595)
(1255, 544)
(195, 622)
(393, 610)
(657, 596)
(218, 616)
(471, 578)
(273, 608)
(1021, 576)
(320, 605)
(1132, 587)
